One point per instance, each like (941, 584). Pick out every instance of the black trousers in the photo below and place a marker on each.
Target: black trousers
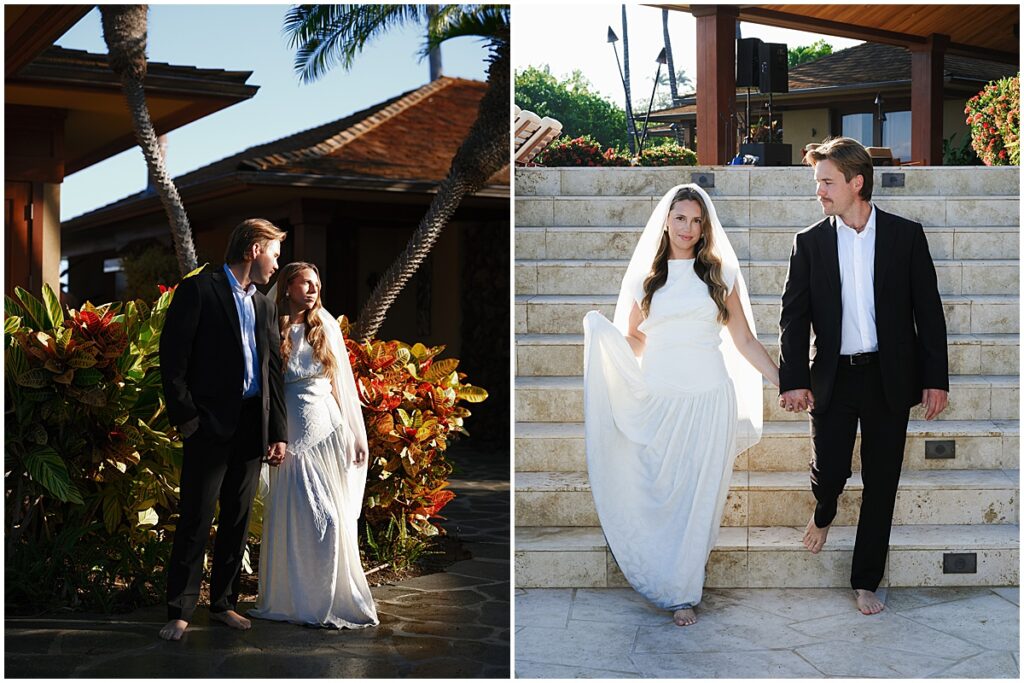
(214, 470)
(858, 395)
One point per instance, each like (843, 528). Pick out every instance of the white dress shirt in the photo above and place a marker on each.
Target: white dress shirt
(857, 275)
(247, 320)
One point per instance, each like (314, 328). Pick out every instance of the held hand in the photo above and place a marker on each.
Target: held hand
(934, 401)
(275, 453)
(797, 400)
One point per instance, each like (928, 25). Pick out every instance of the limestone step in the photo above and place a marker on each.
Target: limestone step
(786, 446)
(972, 397)
(934, 181)
(969, 354)
(563, 314)
(965, 314)
(785, 498)
(773, 557)
(763, 210)
(758, 243)
(565, 276)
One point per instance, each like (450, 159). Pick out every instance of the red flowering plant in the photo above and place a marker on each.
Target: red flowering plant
(411, 403)
(580, 151)
(91, 472)
(994, 117)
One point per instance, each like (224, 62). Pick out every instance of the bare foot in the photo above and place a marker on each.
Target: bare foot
(814, 537)
(232, 619)
(684, 617)
(868, 602)
(174, 629)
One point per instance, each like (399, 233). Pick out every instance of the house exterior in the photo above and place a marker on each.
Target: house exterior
(837, 94)
(349, 193)
(63, 111)
(931, 33)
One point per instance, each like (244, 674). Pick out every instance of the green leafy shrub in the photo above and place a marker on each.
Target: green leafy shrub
(667, 154)
(994, 117)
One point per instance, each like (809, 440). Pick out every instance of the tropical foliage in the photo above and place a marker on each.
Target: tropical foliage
(808, 53)
(91, 464)
(668, 153)
(994, 117)
(580, 151)
(572, 101)
(411, 402)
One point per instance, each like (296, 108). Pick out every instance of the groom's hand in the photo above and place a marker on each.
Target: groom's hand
(275, 453)
(797, 400)
(934, 401)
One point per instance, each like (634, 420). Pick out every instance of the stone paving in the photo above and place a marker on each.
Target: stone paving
(961, 632)
(450, 624)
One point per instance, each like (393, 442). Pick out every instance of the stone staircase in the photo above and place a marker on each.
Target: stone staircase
(956, 519)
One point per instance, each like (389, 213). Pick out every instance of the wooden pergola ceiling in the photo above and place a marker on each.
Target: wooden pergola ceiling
(980, 31)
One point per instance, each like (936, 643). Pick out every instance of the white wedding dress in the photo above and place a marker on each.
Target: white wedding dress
(661, 437)
(310, 571)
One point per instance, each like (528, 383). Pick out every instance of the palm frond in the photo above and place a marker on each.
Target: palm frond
(328, 35)
(489, 22)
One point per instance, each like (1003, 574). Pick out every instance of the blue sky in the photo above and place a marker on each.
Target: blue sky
(250, 38)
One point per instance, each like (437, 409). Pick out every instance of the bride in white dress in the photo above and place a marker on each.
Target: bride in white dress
(672, 393)
(310, 572)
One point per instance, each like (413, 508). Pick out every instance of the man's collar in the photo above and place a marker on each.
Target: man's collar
(236, 285)
(869, 225)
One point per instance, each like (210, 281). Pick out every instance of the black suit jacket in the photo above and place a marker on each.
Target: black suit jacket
(909, 320)
(201, 359)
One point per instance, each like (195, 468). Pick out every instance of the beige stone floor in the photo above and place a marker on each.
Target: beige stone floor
(963, 632)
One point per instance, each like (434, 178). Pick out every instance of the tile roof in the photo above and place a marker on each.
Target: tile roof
(411, 137)
(870, 63)
(874, 63)
(56, 59)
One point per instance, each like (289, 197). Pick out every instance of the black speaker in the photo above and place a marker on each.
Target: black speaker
(748, 62)
(774, 67)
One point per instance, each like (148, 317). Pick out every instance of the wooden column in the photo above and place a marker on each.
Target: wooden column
(926, 89)
(33, 171)
(716, 81)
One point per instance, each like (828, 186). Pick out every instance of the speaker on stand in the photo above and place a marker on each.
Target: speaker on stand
(748, 71)
(772, 77)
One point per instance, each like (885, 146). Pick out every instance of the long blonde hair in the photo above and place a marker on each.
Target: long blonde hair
(314, 333)
(707, 265)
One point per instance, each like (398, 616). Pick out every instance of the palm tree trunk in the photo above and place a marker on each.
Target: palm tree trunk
(483, 153)
(124, 31)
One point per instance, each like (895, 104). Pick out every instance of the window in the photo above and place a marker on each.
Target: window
(896, 133)
(860, 127)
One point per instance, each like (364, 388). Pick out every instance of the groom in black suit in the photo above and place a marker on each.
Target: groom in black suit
(863, 279)
(220, 359)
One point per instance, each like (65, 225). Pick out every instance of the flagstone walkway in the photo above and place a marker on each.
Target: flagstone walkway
(450, 624)
(769, 633)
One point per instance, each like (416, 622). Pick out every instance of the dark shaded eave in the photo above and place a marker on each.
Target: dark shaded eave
(80, 83)
(79, 68)
(237, 182)
(882, 23)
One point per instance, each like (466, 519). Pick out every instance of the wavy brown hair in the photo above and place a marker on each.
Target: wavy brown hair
(707, 265)
(315, 333)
